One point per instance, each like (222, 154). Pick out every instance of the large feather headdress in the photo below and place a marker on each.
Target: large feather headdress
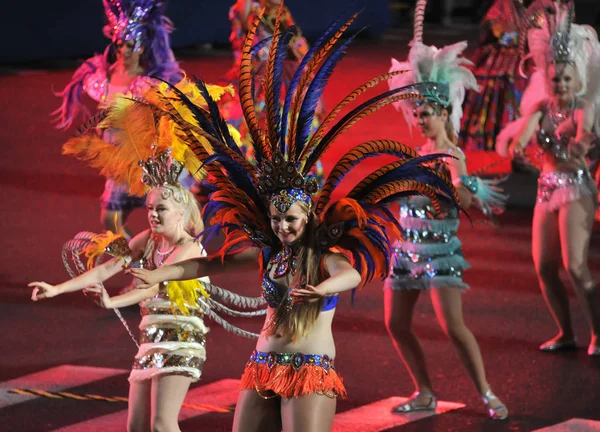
(556, 39)
(444, 68)
(142, 21)
(285, 151)
(151, 149)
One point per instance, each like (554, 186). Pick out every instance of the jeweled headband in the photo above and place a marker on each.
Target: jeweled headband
(281, 184)
(284, 199)
(432, 92)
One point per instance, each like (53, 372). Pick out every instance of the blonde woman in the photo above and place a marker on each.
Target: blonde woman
(172, 331)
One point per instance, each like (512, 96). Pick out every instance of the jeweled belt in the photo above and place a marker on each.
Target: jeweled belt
(296, 360)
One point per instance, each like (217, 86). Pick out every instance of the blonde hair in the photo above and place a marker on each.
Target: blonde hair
(192, 220)
(298, 320)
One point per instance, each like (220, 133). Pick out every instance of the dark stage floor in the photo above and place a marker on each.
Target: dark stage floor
(68, 344)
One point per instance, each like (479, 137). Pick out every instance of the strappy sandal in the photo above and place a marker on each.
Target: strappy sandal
(412, 406)
(498, 413)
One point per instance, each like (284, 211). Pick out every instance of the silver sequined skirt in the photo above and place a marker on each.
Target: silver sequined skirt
(169, 343)
(558, 188)
(430, 256)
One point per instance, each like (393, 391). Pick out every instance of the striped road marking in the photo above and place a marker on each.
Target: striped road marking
(378, 416)
(573, 425)
(53, 380)
(217, 394)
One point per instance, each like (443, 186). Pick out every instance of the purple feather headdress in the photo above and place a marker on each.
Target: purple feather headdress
(141, 21)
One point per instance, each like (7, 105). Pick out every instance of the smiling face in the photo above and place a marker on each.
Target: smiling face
(429, 122)
(165, 216)
(563, 81)
(288, 226)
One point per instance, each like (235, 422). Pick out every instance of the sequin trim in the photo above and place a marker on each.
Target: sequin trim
(548, 183)
(160, 360)
(296, 360)
(155, 334)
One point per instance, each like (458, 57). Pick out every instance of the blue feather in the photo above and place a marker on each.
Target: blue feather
(335, 25)
(314, 93)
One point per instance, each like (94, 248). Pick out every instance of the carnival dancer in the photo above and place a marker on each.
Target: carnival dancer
(496, 67)
(171, 351)
(309, 250)
(241, 15)
(563, 113)
(139, 49)
(430, 259)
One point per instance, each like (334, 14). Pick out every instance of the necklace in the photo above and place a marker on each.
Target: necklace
(557, 115)
(165, 253)
(160, 257)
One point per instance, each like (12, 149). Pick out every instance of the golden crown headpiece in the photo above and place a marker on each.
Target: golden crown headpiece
(161, 169)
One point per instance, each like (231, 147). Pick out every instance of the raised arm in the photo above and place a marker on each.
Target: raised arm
(197, 267)
(243, 7)
(584, 139)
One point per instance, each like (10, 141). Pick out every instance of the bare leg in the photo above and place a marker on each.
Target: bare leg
(108, 218)
(398, 311)
(447, 303)
(256, 414)
(309, 413)
(168, 394)
(138, 412)
(575, 220)
(545, 246)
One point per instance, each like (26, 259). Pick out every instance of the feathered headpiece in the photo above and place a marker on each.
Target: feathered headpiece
(285, 151)
(141, 21)
(443, 68)
(135, 20)
(151, 151)
(552, 38)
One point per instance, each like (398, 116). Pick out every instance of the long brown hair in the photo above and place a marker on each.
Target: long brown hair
(296, 320)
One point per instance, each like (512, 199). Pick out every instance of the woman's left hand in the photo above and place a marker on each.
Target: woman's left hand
(308, 294)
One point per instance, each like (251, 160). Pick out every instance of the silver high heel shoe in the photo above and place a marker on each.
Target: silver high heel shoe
(498, 413)
(411, 404)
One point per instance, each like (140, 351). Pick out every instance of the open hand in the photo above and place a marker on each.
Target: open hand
(147, 278)
(98, 294)
(42, 290)
(309, 294)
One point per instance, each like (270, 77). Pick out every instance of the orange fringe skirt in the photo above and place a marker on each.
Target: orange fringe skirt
(289, 375)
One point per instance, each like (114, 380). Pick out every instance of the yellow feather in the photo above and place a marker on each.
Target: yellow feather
(108, 242)
(185, 293)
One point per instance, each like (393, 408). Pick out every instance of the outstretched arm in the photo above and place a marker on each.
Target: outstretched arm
(197, 267)
(94, 276)
(130, 298)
